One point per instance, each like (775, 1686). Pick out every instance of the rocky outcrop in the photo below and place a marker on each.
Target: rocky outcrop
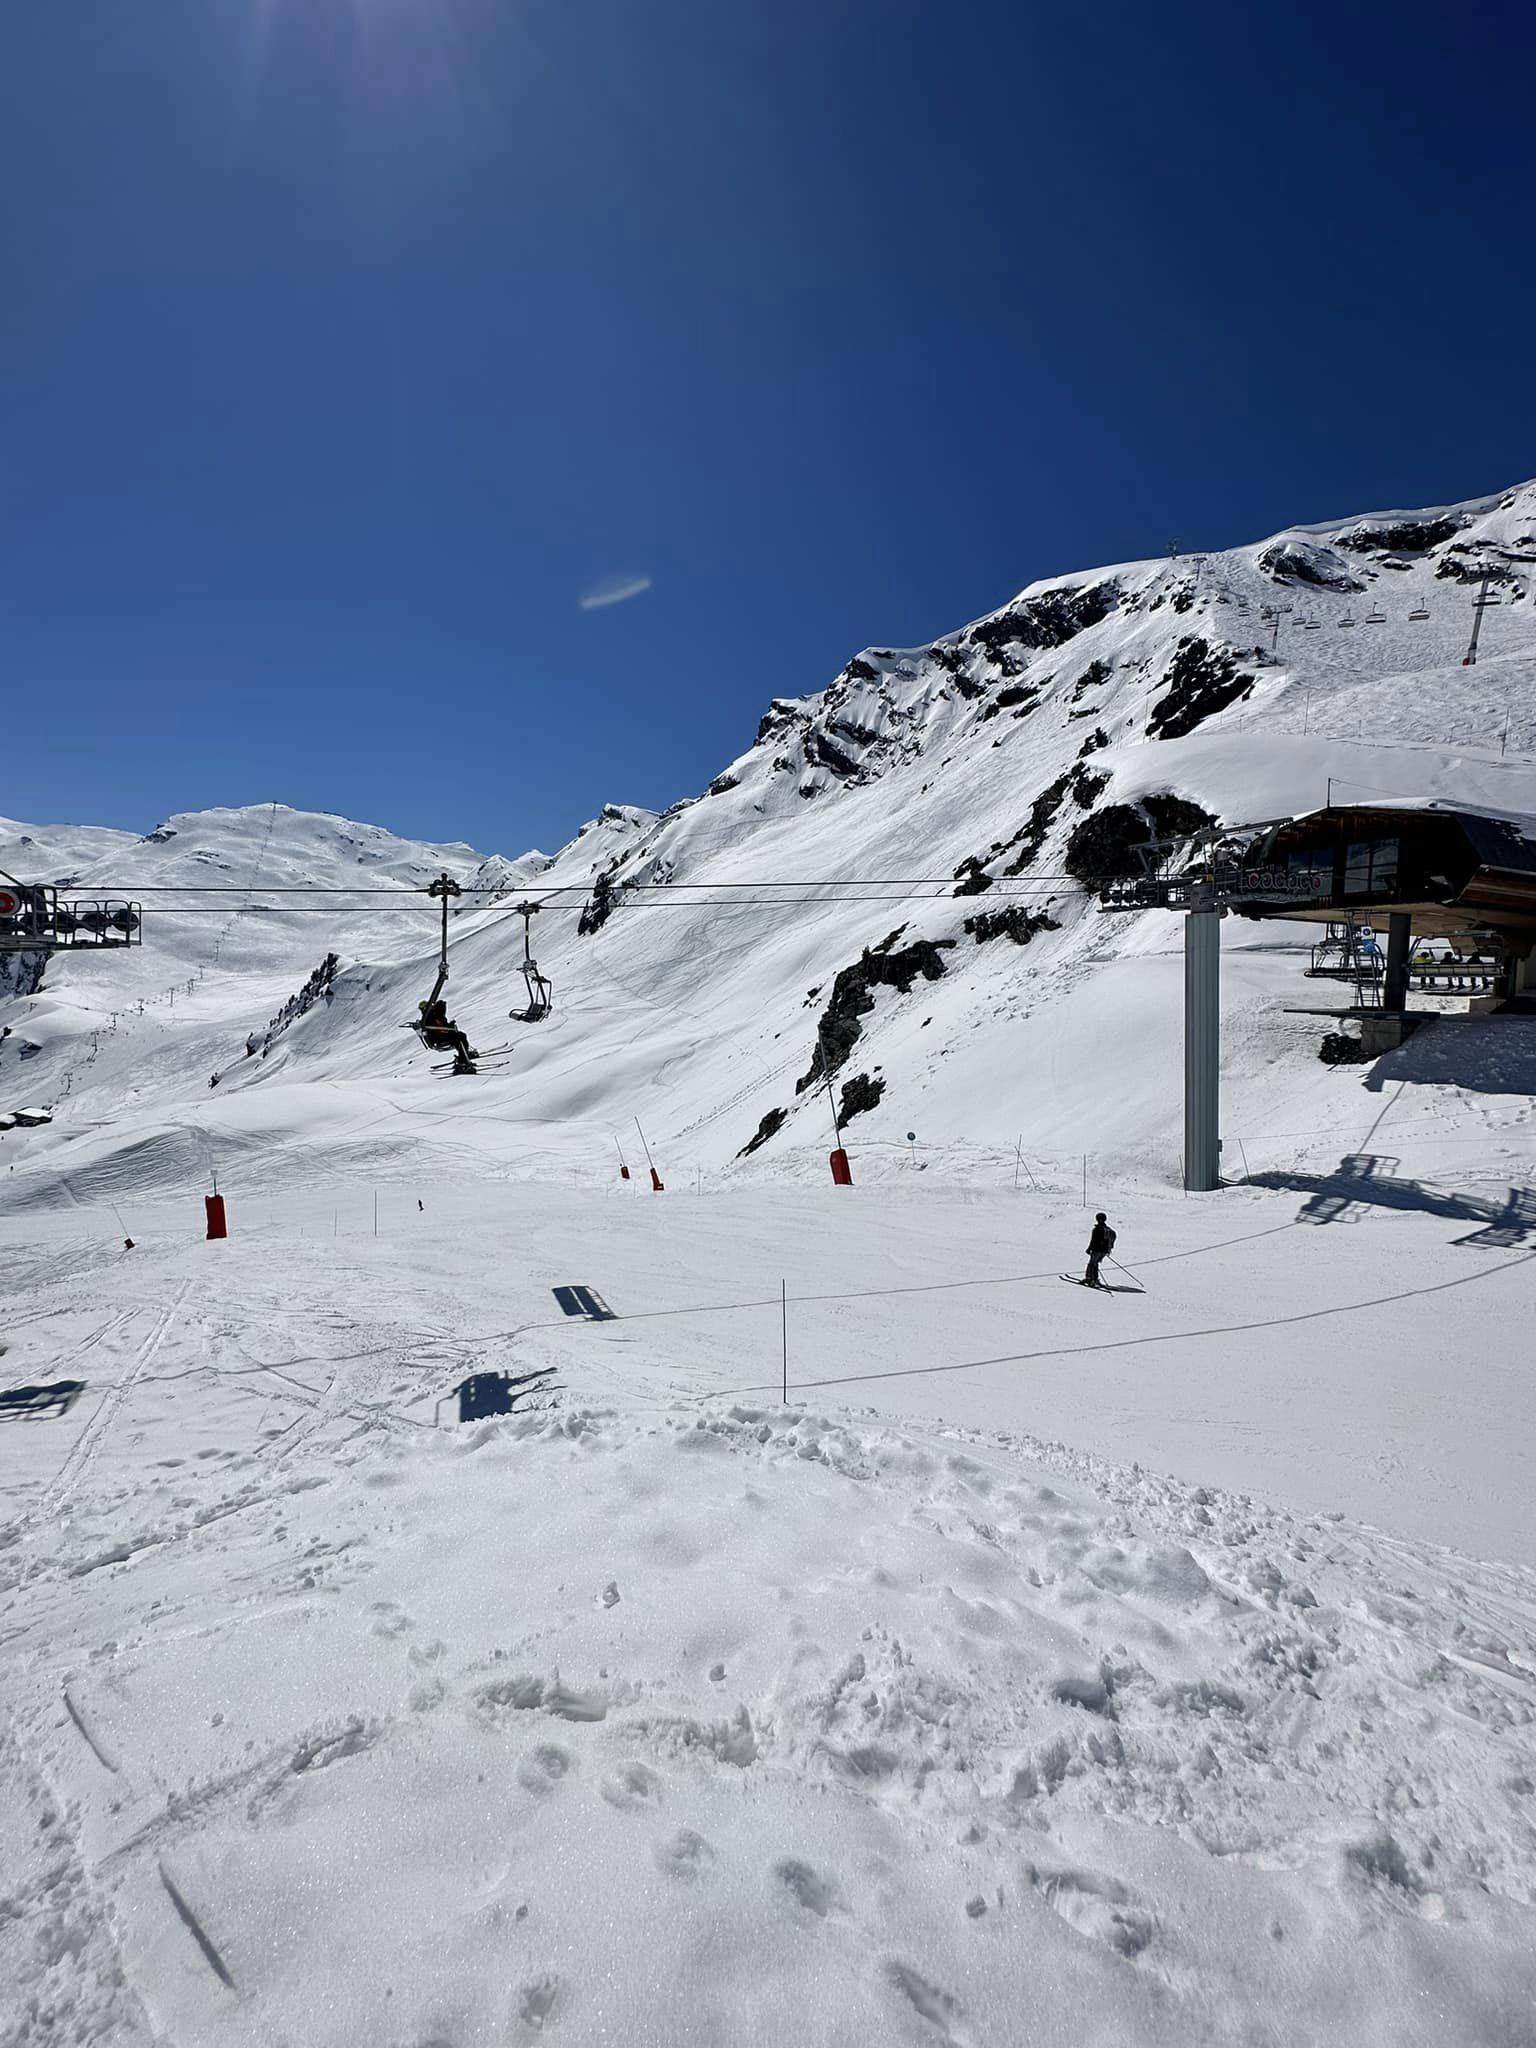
(316, 989)
(852, 998)
(1472, 565)
(1014, 921)
(21, 974)
(1049, 619)
(599, 906)
(1200, 681)
(773, 1121)
(1110, 845)
(858, 1095)
(1303, 561)
(1399, 536)
(1025, 844)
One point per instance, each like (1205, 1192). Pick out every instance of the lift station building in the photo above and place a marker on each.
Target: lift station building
(1425, 869)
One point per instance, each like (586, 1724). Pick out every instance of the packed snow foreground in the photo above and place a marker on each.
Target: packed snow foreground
(671, 1713)
(864, 1637)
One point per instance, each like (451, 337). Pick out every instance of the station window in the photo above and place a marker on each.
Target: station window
(1370, 867)
(1314, 865)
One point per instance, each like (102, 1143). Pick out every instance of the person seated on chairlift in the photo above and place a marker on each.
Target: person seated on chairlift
(439, 1030)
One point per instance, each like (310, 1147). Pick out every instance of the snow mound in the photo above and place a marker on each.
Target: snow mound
(902, 1731)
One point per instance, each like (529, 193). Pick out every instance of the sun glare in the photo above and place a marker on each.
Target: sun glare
(387, 53)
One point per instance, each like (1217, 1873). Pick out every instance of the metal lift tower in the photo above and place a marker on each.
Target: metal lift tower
(1202, 1044)
(1200, 877)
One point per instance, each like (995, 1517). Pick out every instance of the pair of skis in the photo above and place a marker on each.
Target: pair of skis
(1102, 1286)
(495, 1052)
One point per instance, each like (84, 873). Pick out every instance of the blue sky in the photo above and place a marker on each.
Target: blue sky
(349, 345)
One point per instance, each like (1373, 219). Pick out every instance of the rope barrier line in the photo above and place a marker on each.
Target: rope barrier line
(853, 1294)
(685, 1397)
(1129, 1343)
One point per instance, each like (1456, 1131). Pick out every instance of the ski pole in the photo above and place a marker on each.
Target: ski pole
(1128, 1273)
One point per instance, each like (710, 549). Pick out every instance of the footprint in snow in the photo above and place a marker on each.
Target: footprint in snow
(806, 1886)
(536, 1998)
(1100, 1907)
(542, 1769)
(684, 1855)
(635, 1786)
(939, 2007)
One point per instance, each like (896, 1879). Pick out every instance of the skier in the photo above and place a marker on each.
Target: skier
(1100, 1245)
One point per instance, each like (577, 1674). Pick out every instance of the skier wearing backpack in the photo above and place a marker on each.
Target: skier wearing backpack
(1100, 1245)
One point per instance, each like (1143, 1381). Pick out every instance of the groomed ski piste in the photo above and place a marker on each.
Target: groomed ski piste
(1155, 1665)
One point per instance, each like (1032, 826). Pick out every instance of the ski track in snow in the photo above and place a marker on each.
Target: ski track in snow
(652, 1717)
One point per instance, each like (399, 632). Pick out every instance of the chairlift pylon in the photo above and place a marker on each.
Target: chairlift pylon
(541, 990)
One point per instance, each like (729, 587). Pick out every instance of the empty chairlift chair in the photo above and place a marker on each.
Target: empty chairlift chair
(541, 990)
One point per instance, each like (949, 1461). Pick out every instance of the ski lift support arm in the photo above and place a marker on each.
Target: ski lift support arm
(445, 888)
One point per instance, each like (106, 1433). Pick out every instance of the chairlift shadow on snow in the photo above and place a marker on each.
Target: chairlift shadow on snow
(1365, 1180)
(56, 1397)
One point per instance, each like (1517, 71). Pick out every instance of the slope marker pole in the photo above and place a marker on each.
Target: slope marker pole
(784, 1335)
(650, 1162)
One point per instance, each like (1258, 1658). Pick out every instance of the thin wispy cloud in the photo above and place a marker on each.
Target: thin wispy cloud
(612, 590)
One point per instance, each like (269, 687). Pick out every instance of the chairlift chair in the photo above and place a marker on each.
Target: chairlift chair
(1347, 621)
(541, 990)
(433, 1025)
(1347, 952)
(1420, 611)
(1375, 617)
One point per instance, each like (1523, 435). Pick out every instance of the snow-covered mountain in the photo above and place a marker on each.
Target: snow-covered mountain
(885, 871)
(1096, 1674)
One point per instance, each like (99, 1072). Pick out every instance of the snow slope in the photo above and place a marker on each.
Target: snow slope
(1054, 1668)
(674, 1715)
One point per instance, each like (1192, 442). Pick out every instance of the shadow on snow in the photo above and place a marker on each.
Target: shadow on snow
(1366, 1180)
